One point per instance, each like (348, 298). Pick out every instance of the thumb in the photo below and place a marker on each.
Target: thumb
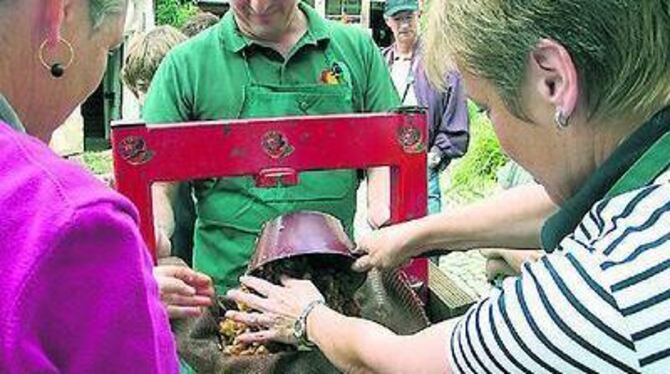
(363, 264)
(498, 267)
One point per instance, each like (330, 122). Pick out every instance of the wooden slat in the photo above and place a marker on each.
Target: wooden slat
(446, 299)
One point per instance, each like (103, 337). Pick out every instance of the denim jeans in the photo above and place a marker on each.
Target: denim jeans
(434, 193)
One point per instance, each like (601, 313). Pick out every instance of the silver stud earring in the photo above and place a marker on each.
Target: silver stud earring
(560, 119)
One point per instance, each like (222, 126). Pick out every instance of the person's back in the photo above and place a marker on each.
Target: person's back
(77, 292)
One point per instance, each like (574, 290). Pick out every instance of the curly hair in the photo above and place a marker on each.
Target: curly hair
(144, 55)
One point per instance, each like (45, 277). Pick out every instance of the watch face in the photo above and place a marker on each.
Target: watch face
(299, 330)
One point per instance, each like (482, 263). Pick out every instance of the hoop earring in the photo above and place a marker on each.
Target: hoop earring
(560, 119)
(57, 69)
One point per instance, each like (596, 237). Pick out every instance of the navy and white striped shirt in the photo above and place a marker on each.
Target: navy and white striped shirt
(599, 304)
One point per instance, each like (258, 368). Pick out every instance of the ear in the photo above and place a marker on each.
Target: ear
(555, 75)
(387, 20)
(53, 16)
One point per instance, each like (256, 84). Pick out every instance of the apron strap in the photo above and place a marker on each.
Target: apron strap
(646, 169)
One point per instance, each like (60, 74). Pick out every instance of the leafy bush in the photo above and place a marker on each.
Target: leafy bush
(174, 12)
(96, 162)
(474, 176)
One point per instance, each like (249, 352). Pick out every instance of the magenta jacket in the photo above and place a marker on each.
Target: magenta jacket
(77, 293)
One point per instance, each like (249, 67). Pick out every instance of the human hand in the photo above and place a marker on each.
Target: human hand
(433, 159)
(276, 309)
(183, 291)
(507, 262)
(386, 248)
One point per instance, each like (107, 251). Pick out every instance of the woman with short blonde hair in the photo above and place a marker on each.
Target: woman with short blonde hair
(579, 94)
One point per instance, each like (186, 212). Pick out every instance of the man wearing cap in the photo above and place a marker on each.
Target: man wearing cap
(447, 111)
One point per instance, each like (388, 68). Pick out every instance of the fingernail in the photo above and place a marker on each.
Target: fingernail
(359, 265)
(196, 312)
(190, 290)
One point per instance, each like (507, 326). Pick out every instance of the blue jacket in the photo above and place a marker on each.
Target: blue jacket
(448, 122)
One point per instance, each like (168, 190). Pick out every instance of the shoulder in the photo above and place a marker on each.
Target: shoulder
(190, 57)
(612, 223)
(41, 193)
(45, 175)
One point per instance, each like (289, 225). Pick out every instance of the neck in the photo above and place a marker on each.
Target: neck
(22, 91)
(284, 39)
(404, 48)
(592, 145)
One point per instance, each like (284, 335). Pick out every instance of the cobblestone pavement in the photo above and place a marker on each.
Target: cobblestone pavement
(467, 270)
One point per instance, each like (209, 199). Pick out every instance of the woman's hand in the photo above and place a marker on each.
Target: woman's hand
(385, 248)
(507, 262)
(183, 291)
(277, 308)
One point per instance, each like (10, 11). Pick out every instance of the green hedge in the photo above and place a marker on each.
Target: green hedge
(474, 176)
(174, 12)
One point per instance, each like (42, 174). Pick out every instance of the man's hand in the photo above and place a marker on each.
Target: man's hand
(434, 159)
(183, 291)
(507, 262)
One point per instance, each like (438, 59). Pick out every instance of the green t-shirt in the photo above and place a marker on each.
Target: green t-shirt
(202, 79)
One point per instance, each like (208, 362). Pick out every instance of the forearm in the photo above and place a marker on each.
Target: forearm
(378, 195)
(510, 219)
(356, 345)
(353, 345)
(164, 195)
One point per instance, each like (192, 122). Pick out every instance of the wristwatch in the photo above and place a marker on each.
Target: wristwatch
(300, 325)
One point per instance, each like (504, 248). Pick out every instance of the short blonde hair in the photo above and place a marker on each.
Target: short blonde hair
(145, 53)
(621, 48)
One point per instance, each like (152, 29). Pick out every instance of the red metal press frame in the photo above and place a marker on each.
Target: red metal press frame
(272, 149)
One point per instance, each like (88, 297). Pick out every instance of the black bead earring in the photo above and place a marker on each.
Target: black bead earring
(56, 69)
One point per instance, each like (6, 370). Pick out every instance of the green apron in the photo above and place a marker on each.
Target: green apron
(231, 211)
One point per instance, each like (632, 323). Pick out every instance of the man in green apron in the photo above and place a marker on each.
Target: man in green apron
(264, 59)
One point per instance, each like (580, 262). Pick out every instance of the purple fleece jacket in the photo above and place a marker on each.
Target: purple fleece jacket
(77, 294)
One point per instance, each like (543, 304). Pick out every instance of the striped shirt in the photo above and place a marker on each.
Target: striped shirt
(600, 303)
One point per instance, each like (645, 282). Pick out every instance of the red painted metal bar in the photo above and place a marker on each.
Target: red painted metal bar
(272, 149)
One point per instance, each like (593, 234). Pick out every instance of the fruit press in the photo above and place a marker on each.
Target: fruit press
(275, 151)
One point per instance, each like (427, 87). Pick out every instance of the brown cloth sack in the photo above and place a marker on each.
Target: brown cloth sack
(385, 298)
